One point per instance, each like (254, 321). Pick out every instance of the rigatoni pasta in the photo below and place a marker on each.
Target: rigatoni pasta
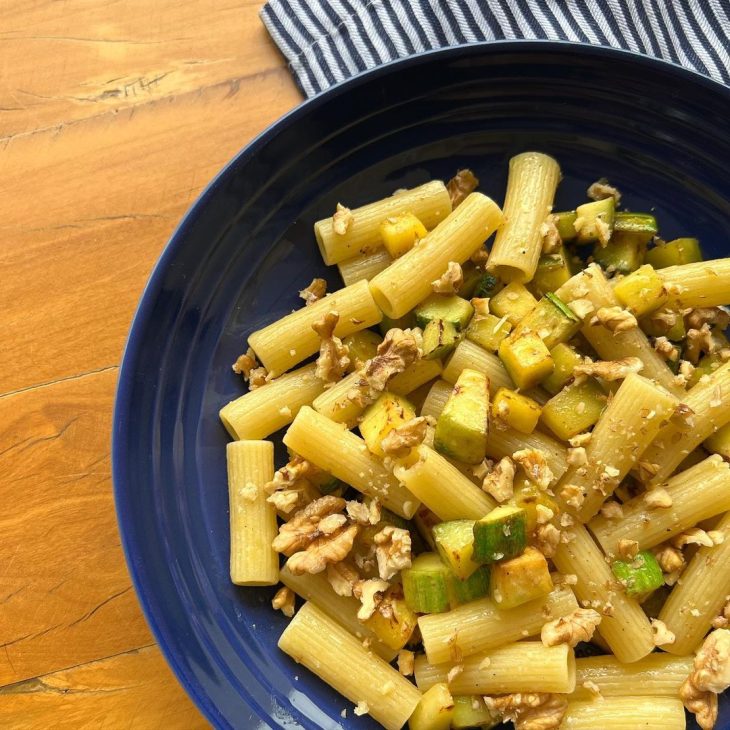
(364, 267)
(625, 713)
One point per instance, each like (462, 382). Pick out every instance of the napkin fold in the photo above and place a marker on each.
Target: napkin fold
(327, 41)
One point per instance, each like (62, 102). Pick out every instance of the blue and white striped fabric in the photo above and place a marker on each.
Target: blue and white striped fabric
(327, 41)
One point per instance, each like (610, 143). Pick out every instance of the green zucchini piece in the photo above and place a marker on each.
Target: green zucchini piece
(488, 286)
(565, 359)
(639, 228)
(425, 584)
(595, 221)
(640, 576)
(501, 535)
(461, 429)
(455, 543)
(553, 270)
(574, 409)
(435, 709)
(471, 711)
(472, 276)
(403, 323)
(332, 485)
(552, 320)
(468, 589)
(452, 309)
(622, 254)
(565, 223)
(439, 339)
(488, 331)
(674, 253)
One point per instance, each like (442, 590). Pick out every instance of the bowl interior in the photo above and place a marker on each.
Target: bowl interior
(246, 248)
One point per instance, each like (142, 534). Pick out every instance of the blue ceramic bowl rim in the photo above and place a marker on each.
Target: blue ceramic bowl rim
(122, 404)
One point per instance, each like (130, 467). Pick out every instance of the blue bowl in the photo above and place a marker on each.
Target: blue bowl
(246, 246)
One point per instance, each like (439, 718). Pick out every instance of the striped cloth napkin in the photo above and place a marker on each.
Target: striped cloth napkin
(327, 41)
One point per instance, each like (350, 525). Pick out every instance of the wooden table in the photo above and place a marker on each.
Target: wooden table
(113, 116)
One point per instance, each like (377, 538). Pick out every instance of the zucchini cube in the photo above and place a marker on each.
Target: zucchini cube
(639, 228)
(516, 410)
(454, 542)
(675, 253)
(640, 576)
(594, 221)
(435, 709)
(528, 496)
(451, 309)
(514, 302)
(574, 409)
(388, 412)
(526, 359)
(439, 339)
(425, 584)
(552, 320)
(501, 535)
(488, 331)
(468, 589)
(396, 630)
(553, 270)
(653, 328)
(622, 254)
(400, 233)
(566, 359)
(641, 292)
(361, 347)
(565, 223)
(521, 579)
(402, 323)
(472, 711)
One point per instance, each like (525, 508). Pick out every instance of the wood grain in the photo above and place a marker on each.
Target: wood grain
(113, 116)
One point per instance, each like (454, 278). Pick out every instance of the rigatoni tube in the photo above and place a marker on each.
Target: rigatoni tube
(430, 203)
(531, 184)
(625, 713)
(628, 424)
(313, 639)
(291, 339)
(624, 625)
(700, 595)
(702, 284)
(266, 409)
(341, 453)
(697, 493)
(479, 626)
(407, 281)
(469, 355)
(364, 267)
(252, 518)
(525, 666)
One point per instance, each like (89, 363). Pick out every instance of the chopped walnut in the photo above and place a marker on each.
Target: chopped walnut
(284, 601)
(547, 539)
(543, 514)
(480, 257)
(341, 220)
(450, 281)
(364, 514)
(302, 529)
(286, 500)
(702, 704)
(252, 372)
(393, 551)
(551, 241)
(612, 510)
(577, 456)
(670, 558)
(686, 369)
(647, 470)
(361, 708)
(573, 496)
(333, 357)
(533, 711)
(662, 635)
(461, 185)
(582, 308)
(571, 629)
(693, 536)
(658, 497)
(535, 466)
(290, 489)
(481, 307)
(663, 320)
(328, 548)
(370, 592)
(628, 549)
(454, 672)
(614, 319)
(399, 442)
(406, 662)
(722, 620)
(314, 292)
(609, 369)
(500, 481)
(582, 439)
(342, 577)
(714, 316)
(666, 349)
(600, 190)
(399, 350)
(699, 341)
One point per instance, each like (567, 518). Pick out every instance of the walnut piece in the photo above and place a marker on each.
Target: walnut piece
(534, 463)
(533, 711)
(628, 549)
(399, 442)
(370, 592)
(699, 341)
(573, 495)
(290, 489)
(499, 483)
(702, 704)
(609, 369)
(328, 548)
(666, 349)
(658, 497)
(551, 241)
(254, 374)
(406, 662)
(302, 530)
(314, 292)
(714, 316)
(670, 559)
(283, 601)
(571, 629)
(547, 539)
(722, 620)
(364, 514)
(341, 220)
(693, 536)
(450, 281)
(334, 357)
(577, 456)
(392, 551)
(399, 350)
(662, 635)
(612, 510)
(342, 577)
(601, 189)
(461, 185)
(614, 319)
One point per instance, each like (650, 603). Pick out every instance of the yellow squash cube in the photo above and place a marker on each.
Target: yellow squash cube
(394, 631)
(513, 302)
(488, 331)
(528, 496)
(521, 579)
(516, 410)
(527, 360)
(641, 292)
(574, 409)
(400, 233)
(434, 711)
(566, 359)
(388, 412)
